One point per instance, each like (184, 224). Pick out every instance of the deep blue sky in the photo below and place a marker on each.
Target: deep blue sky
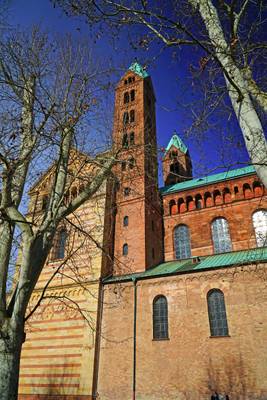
(172, 84)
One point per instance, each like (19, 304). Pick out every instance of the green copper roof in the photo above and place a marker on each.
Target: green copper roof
(177, 142)
(197, 264)
(138, 69)
(207, 180)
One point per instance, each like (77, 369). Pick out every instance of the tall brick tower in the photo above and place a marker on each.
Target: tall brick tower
(138, 241)
(177, 165)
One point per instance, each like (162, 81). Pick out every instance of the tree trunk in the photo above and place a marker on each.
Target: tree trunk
(10, 349)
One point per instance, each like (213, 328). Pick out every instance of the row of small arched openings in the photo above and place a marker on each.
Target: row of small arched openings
(69, 196)
(217, 197)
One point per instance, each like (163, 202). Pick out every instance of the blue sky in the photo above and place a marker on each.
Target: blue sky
(172, 83)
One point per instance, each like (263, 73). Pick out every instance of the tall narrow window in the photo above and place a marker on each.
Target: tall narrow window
(61, 244)
(125, 118)
(132, 95)
(260, 226)
(182, 245)
(126, 98)
(131, 138)
(44, 203)
(160, 318)
(217, 313)
(125, 141)
(221, 236)
(125, 249)
(132, 116)
(126, 220)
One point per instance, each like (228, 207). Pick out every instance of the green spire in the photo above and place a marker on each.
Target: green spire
(138, 69)
(177, 142)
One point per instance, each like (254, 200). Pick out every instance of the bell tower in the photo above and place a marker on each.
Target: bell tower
(177, 165)
(138, 240)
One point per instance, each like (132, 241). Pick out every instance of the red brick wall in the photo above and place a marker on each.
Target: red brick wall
(236, 208)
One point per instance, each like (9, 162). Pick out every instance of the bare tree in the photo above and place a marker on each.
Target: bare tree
(49, 95)
(228, 34)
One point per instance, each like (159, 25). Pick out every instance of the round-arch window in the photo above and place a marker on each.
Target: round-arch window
(221, 236)
(126, 220)
(125, 249)
(182, 244)
(260, 227)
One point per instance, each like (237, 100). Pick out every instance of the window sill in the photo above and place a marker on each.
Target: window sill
(160, 339)
(219, 337)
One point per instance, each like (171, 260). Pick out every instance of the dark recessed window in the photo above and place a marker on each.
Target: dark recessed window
(126, 98)
(132, 94)
(152, 225)
(125, 118)
(160, 318)
(125, 141)
(125, 82)
(125, 249)
(217, 313)
(126, 191)
(44, 203)
(126, 220)
(131, 163)
(132, 116)
(131, 138)
(60, 244)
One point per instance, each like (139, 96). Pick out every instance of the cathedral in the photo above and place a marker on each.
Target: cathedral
(165, 297)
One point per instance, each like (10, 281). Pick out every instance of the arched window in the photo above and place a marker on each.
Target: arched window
(248, 194)
(181, 205)
(221, 236)
(174, 167)
(125, 118)
(126, 98)
(132, 116)
(217, 313)
(257, 188)
(160, 318)
(208, 199)
(190, 203)
(131, 138)
(132, 95)
(182, 245)
(173, 207)
(125, 141)
(131, 163)
(61, 244)
(44, 203)
(227, 195)
(125, 249)
(126, 220)
(198, 200)
(260, 226)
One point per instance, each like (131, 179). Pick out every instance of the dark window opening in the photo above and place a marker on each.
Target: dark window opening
(132, 116)
(44, 203)
(125, 82)
(127, 191)
(132, 95)
(217, 313)
(152, 225)
(173, 154)
(125, 141)
(236, 189)
(125, 249)
(130, 80)
(61, 244)
(126, 220)
(174, 168)
(131, 163)
(125, 118)
(160, 318)
(131, 138)
(126, 98)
